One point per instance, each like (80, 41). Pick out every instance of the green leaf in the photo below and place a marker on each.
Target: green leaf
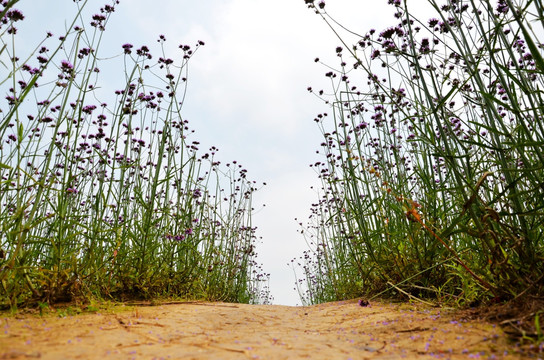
(538, 329)
(443, 100)
(511, 76)
(20, 132)
(494, 99)
(2, 50)
(539, 62)
(8, 117)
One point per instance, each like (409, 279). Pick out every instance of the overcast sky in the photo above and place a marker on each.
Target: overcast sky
(247, 92)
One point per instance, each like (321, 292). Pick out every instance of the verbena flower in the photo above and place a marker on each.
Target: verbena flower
(15, 15)
(127, 48)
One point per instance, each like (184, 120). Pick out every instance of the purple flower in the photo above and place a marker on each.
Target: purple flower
(388, 33)
(98, 20)
(433, 22)
(84, 52)
(166, 61)
(143, 51)
(11, 99)
(88, 109)
(66, 66)
(425, 48)
(127, 48)
(502, 7)
(99, 17)
(15, 15)
(179, 238)
(108, 9)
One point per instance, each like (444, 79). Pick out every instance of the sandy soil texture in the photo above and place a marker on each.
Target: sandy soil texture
(340, 330)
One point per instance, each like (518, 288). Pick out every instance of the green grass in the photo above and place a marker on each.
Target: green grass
(113, 199)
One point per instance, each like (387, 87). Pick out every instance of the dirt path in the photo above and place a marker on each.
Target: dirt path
(342, 330)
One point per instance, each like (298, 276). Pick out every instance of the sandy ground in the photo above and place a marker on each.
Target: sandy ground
(340, 330)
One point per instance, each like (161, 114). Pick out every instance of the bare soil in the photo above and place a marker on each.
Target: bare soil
(203, 330)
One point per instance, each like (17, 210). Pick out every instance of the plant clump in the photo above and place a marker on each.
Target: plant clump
(433, 159)
(114, 199)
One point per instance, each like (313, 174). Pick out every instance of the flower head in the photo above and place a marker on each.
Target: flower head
(15, 15)
(66, 66)
(127, 48)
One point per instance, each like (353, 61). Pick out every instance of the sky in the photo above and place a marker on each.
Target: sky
(247, 93)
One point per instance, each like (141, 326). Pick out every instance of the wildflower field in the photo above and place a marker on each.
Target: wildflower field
(432, 191)
(112, 198)
(433, 147)
(432, 167)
